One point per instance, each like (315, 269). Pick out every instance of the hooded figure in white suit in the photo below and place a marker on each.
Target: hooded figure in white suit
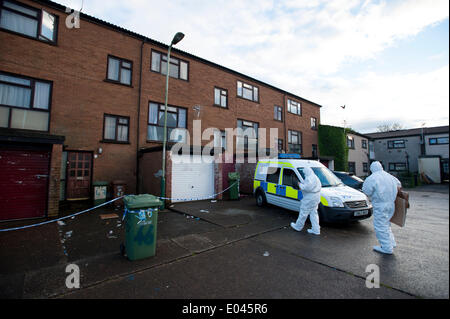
(382, 189)
(310, 188)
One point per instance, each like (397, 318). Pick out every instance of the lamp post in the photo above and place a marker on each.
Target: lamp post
(177, 38)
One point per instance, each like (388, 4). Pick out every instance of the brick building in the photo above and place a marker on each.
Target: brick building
(86, 103)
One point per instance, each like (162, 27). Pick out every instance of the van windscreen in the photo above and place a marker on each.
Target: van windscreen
(326, 177)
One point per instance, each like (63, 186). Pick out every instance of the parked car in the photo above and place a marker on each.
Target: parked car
(276, 183)
(350, 180)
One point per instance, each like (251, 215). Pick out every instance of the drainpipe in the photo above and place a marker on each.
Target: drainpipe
(138, 120)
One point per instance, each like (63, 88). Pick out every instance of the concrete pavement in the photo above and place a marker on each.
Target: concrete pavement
(229, 249)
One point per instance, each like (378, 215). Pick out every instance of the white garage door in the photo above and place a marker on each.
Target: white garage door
(192, 178)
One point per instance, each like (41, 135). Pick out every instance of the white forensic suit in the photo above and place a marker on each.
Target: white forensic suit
(381, 187)
(310, 188)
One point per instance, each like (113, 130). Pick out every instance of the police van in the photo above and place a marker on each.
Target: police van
(276, 182)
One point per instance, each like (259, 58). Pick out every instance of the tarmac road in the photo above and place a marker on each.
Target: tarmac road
(228, 249)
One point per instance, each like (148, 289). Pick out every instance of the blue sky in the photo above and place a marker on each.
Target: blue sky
(387, 61)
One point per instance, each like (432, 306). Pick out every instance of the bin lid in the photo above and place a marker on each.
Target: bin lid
(233, 175)
(141, 201)
(100, 183)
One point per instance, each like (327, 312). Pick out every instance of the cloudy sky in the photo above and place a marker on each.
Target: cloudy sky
(386, 61)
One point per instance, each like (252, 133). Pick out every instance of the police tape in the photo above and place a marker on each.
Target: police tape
(62, 218)
(109, 202)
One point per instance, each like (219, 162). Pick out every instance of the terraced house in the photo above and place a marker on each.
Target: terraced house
(86, 104)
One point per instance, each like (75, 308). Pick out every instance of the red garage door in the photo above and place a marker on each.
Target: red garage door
(23, 183)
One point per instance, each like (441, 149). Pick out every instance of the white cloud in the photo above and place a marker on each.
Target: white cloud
(409, 99)
(298, 45)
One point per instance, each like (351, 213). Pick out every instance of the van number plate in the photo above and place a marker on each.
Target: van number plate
(361, 212)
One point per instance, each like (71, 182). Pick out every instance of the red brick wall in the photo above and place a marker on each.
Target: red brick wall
(77, 65)
(80, 96)
(54, 180)
(199, 90)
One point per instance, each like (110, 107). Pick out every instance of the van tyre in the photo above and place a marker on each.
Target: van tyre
(260, 199)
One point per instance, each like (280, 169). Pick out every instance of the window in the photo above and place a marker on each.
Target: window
(116, 128)
(28, 21)
(176, 123)
(313, 123)
(280, 145)
(220, 139)
(364, 144)
(295, 142)
(294, 107)
(119, 70)
(248, 137)
(220, 97)
(179, 69)
(396, 144)
(289, 178)
(278, 113)
(314, 151)
(247, 91)
(351, 167)
(365, 167)
(438, 140)
(397, 167)
(24, 102)
(350, 142)
(273, 175)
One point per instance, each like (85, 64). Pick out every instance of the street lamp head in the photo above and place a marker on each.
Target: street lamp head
(177, 38)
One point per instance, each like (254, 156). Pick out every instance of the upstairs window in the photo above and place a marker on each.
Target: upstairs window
(28, 21)
(176, 121)
(313, 123)
(119, 70)
(220, 97)
(278, 113)
(179, 69)
(350, 142)
(364, 144)
(24, 102)
(438, 140)
(295, 142)
(294, 107)
(248, 137)
(247, 91)
(116, 128)
(396, 144)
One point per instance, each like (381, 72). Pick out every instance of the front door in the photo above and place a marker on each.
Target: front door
(79, 170)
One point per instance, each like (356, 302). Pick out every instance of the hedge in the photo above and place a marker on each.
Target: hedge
(332, 142)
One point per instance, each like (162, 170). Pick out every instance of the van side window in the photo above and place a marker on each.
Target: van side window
(290, 179)
(273, 177)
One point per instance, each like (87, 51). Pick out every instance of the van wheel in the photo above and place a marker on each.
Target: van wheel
(260, 199)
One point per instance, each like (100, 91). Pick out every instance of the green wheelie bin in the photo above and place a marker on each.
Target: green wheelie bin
(141, 217)
(233, 181)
